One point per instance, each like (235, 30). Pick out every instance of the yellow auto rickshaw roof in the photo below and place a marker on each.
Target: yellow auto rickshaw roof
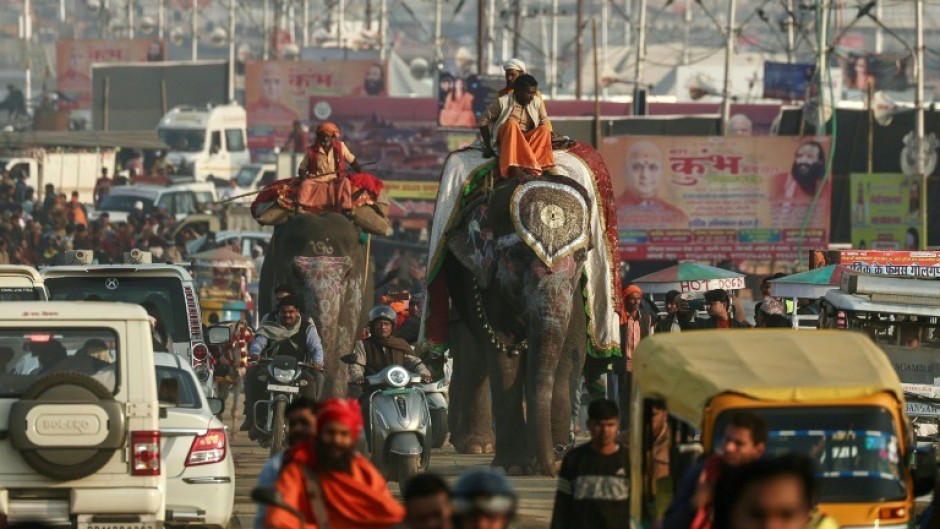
(687, 369)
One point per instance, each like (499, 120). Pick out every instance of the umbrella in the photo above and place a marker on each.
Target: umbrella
(812, 284)
(221, 257)
(690, 277)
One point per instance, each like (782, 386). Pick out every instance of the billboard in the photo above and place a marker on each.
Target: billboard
(924, 264)
(716, 198)
(884, 71)
(462, 100)
(278, 92)
(790, 82)
(74, 59)
(885, 211)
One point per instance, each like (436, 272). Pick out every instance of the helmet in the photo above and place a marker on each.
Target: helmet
(383, 312)
(484, 489)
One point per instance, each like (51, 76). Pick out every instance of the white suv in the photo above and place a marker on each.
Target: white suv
(197, 458)
(180, 200)
(79, 432)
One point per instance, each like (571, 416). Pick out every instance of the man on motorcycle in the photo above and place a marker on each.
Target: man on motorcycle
(290, 335)
(381, 349)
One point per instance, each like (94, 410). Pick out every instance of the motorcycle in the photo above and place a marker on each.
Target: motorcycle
(397, 431)
(284, 375)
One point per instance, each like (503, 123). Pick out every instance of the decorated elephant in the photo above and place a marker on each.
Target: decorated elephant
(528, 267)
(324, 257)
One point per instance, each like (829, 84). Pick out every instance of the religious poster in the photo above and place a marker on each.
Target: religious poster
(716, 198)
(462, 100)
(885, 211)
(277, 93)
(884, 71)
(74, 59)
(790, 82)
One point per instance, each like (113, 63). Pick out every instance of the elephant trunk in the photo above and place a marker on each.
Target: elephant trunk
(332, 297)
(548, 315)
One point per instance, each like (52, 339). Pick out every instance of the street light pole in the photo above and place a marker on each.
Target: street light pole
(791, 34)
(265, 29)
(729, 50)
(130, 19)
(640, 53)
(195, 29)
(161, 16)
(27, 34)
(919, 117)
(231, 51)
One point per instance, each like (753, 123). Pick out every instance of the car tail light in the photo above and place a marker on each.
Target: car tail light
(145, 453)
(207, 448)
(840, 320)
(200, 352)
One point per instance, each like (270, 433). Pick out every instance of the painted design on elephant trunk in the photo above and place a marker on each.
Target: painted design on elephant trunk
(325, 280)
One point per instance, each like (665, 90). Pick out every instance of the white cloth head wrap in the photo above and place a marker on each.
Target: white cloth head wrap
(514, 64)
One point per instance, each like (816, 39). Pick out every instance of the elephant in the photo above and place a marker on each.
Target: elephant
(323, 256)
(514, 274)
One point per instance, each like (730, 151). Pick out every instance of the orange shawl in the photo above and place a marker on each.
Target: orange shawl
(359, 499)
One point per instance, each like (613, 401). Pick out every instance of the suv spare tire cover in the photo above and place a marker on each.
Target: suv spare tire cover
(50, 439)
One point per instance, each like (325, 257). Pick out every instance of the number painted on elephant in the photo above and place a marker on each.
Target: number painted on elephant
(704, 285)
(321, 247)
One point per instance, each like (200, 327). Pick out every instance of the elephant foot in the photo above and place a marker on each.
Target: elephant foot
(473, 444)
(516, 470)
(550, 470)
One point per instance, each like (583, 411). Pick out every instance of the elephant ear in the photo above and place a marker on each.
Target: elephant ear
(473, 244)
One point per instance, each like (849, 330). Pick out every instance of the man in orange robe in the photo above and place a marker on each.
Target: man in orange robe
(352, 493)
(322, 172)
(523, 134)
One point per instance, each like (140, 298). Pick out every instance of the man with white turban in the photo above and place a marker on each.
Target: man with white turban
(514, 68)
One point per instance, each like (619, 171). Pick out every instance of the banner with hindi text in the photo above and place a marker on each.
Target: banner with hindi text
(716, 198)
(885, 211)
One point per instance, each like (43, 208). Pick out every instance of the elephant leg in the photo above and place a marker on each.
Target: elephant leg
(506, 386)
(568, 379)
(471, 417)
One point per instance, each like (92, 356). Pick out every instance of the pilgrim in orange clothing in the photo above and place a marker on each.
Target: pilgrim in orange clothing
(523, 134)
(322, 172)
(355, 495)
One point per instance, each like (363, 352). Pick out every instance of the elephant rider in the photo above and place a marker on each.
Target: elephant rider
(290, 335)
(517, 129)
(322, 172)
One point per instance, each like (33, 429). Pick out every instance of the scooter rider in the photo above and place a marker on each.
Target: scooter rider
(290, 335)
(483, 497)
(381, 349)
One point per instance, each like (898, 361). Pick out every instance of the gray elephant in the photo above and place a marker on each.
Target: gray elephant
(324, 257)
(514, 275)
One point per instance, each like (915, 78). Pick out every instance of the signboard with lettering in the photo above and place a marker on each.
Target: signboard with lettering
(924, 264)
(704, 285)
(278, 92)
(74, 59)
(885, 211)
(716, 198)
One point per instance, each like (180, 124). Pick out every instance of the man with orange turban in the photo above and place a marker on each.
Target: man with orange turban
(322, 172)
(636, 324)
(346, 489)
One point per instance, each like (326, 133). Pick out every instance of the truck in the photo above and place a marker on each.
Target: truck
(67, 171)
(206, 141)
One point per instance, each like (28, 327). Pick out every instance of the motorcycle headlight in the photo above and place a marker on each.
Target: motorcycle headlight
(397, 377)
(284, 376)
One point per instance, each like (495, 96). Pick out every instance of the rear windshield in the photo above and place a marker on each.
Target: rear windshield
(125, 203)
(22, 294)
(27, 355)
(188, 393)
(166, 293)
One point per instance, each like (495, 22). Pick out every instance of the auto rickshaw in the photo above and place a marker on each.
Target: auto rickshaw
(222, 278)
(831, 395)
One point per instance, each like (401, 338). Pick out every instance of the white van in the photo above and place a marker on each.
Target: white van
(169, 288)
(207, 141)
(21, 283)
(79, 416)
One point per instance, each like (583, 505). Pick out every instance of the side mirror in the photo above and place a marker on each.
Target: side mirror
(169, 392)
(349, 359)
(271, 497)
(924, 469)
(216, 406)
(219, 335)
(214, 149)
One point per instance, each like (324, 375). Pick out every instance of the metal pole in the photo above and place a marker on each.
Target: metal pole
(266, 30)
(554, 50)
(195, 30)
(821, 61)
(597, 86)
(340, 22)
(490, 35)
(919, 117)
(306, 32)
(879, 34)
(27, 41)
(516, 26)
(577, 48)
(640, 48)
(481, 37)
(383, 30)
(687, 19)
(438, 51)
(130, 19)
(231, 51)
(161, 18)
(791, 34)
(729, 50)
(61, 11)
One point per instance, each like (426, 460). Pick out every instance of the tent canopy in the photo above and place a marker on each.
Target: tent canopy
(811, 284)
(690, 277)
